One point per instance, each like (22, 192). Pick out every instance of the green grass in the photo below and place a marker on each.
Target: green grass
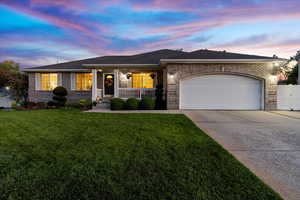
(67, 154)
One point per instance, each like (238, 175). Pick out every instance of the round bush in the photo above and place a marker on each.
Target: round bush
(147, 103)
(59, 97)
(60, 91)
(132, 104)
(117, 104)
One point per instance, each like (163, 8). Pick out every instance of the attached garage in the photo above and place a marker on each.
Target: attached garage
(221, 92)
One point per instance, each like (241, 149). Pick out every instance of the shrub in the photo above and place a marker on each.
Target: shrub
(160, 104)
(41, 105)
(73, 105)
(147, 103)
(59, 97)
(51, 104)
(13, 105)
(31, 105)
(85, 104)
(60, 91)
(132, 104)
(117, 104)
(94, 103)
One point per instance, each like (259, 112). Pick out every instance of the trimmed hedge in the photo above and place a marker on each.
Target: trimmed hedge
(132, 104)
(117, 104)
(60, 91)
(147, 103)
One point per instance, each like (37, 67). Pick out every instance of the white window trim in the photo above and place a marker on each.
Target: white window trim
(73, 81)
(38, 81)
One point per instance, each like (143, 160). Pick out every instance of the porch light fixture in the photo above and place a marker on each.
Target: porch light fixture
(109, 77)
(171, 75)
(7, 88)
(129, 75)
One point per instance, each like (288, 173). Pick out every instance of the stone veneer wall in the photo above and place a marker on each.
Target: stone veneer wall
(260, 71)
(45, 96)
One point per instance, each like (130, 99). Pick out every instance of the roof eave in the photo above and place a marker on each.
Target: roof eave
(119, 65)
(55, 70)
(163, 61)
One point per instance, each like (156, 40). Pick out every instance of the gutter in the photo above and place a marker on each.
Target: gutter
(56, 70)
(120, 65)
(165, 61)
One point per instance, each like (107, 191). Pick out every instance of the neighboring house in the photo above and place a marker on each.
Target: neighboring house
(200, 79)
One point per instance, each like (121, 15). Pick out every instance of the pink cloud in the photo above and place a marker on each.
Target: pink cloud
(66, 4)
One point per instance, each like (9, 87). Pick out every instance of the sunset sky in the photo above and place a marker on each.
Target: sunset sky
(38, 32)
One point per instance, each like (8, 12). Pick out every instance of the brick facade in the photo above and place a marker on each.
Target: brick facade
(261, 71)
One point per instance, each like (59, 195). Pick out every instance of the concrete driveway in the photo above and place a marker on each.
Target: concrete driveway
(268, 143)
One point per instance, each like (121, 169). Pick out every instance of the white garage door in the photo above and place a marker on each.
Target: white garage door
(221, 92)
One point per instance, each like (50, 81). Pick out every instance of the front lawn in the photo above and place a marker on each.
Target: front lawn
(67, 154)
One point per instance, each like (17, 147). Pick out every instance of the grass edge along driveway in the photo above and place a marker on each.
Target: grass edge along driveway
(67, 154)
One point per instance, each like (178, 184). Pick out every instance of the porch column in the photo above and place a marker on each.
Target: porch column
(116, 81)
(94, 84)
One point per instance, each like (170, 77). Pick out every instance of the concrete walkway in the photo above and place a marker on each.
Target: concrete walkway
(268, 143)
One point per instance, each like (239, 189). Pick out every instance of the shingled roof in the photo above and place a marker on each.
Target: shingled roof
(151, 58)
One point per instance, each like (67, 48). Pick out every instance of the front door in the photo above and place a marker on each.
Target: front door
(109, 84)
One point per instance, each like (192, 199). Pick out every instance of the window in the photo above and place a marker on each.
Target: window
(83, 81)
(142, 80)
(48, 81)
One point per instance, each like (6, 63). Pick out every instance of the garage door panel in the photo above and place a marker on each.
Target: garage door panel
(220, 92)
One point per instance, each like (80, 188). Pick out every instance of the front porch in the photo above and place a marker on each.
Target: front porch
(107, 84)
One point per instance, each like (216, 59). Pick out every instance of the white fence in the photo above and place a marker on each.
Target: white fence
(288, 97)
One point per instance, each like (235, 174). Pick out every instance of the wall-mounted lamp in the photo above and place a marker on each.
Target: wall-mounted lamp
(129, 75)
(172, 75)
(7, 88)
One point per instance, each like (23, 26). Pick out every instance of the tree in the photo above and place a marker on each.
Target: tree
(292, 76)
(290, 70)
(3, 78)
(9, 66)
(11, 77)
(18, 83)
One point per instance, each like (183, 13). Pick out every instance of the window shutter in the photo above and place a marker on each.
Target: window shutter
(37, 81)
(73, 81)
(59, 76)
